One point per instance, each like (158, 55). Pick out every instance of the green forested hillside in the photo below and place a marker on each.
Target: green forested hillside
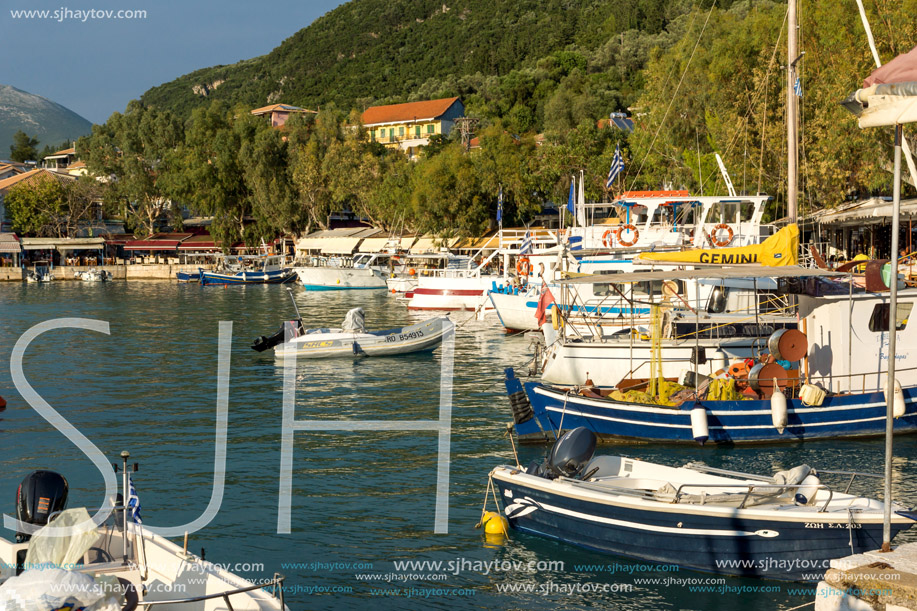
(370, 51)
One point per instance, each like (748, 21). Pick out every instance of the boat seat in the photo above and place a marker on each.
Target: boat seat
(608, 466)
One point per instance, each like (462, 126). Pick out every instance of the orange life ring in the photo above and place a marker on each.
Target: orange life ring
(724, 242)
(620, 232)
(523, 266)
(606, 238)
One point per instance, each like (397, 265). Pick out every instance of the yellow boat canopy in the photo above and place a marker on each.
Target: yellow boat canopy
(779, 250)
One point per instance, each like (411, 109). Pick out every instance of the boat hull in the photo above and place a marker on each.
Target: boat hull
(729, 422)
(271, 277)
(339, 278)
(721, 541)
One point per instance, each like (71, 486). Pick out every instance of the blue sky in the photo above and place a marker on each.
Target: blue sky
(95, 67)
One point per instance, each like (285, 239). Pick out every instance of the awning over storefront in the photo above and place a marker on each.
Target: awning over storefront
(199, 243)
(407, 242)
(339, 246)
(870, 211)
(9, 243)
(373, 244)
(63, 244)
(427, 244)
(159, 242)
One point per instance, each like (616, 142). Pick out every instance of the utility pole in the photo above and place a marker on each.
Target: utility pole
(792, 114)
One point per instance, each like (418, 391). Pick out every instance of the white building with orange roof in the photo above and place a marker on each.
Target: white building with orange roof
(59, 160)
(409, 126)
(279, 113)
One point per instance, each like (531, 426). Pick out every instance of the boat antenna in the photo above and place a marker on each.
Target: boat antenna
(295, 307)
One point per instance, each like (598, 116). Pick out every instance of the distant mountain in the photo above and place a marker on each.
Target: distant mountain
(372, 51)
(38, 117)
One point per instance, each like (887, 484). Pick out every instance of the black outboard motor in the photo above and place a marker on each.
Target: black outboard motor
(266, 343)
(39, 495)
(572, 452)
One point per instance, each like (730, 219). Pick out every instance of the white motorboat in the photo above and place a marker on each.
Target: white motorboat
(94, 275)
(362, 271)
(40, 272)
(116, 565)
(352, 339)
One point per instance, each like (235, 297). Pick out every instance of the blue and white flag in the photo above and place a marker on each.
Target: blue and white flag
(617, 166)
(572, 196)
(797, 87)
(133, 501)
(500, 207)
(526, 243)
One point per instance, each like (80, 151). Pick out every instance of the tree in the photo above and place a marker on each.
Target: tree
(38, 207)
(23, 148)
(134, 152)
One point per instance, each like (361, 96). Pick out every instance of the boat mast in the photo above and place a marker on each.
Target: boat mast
(792, 112)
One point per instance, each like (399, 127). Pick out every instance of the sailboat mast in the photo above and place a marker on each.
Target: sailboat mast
(792, 113)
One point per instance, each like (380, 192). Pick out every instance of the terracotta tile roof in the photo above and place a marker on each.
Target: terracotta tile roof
(76, 165)
(411, 111)
(69, 151)
(31, 176)
(280, 107)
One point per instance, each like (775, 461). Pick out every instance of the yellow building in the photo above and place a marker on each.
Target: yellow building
(409, 126)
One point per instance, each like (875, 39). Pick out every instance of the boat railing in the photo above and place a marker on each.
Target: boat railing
(750, 488)
(276, 585)
(703, 468)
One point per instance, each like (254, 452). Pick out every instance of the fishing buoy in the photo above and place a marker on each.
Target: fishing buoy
(495, 524)
(898, 406)
(778, 408)
(699, 428)
(339, 281)
(2, 402)
(808, 489)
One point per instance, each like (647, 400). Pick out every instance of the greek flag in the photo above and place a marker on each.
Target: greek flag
(797, 87)
(526, 243)
(133, 501)
(500, 206)
(617, 165)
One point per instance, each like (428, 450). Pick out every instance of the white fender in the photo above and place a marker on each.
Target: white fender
(699, 428)
(898, 406)
(778, 409)
(808, 489)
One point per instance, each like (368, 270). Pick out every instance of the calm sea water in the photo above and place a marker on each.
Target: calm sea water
(361, 501)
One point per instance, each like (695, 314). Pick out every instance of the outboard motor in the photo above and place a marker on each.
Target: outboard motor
(39, 495)
(572, 452)
(266, 343)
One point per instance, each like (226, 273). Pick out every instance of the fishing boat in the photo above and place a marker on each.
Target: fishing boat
(828, 382)
(362, 271)
(188, 276)
(118, 564)
(249, 269)
(787, 526)
(352, 339)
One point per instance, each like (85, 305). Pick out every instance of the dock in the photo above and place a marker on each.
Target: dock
(872, 581)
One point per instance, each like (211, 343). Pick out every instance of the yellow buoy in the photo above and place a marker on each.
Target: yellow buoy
(494, 523)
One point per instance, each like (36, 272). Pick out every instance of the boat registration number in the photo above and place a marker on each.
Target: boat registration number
(395, 337)
(829, 525)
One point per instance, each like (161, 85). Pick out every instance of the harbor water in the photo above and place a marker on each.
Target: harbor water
(362, 503)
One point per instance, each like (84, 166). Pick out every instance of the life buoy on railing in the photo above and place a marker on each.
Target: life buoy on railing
(620, 233)
(523, 266)
(606, 238)
(715, 236)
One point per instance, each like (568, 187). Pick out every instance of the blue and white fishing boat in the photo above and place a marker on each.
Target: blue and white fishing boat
(249, 269)
(784, 527)
(834, 387)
